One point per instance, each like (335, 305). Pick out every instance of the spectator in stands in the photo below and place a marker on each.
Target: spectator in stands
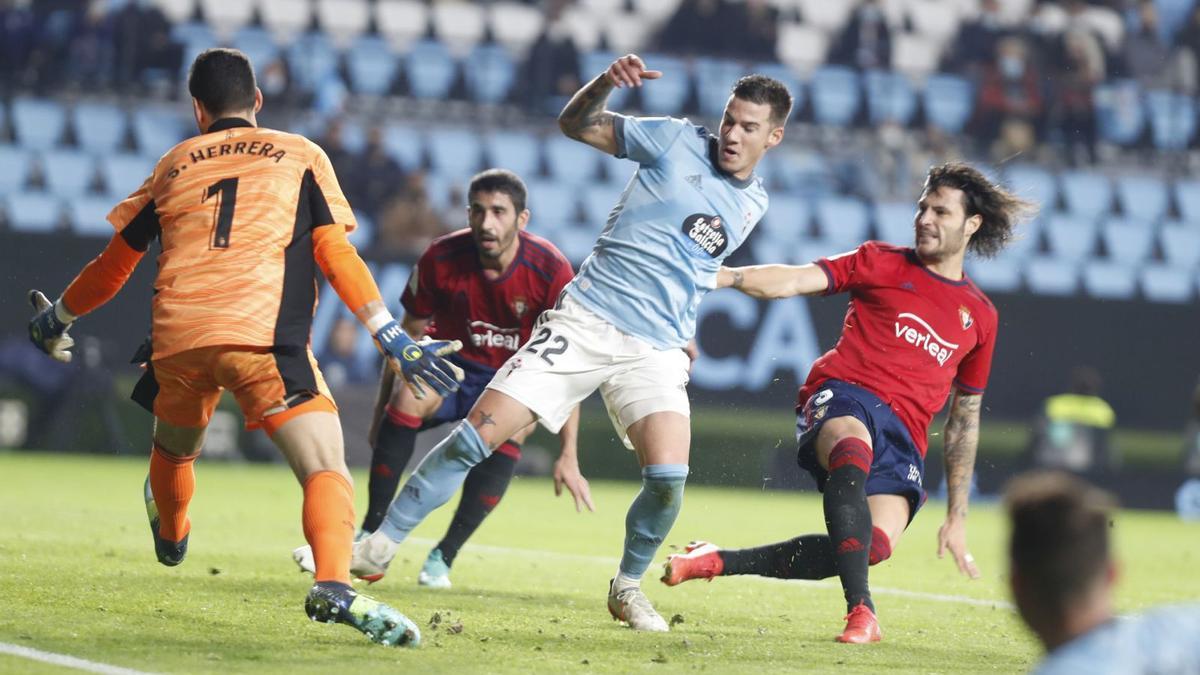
(1010, 92)
(378, 175)
(92, 48)
(1150, 60)
(144, 51)
(1189, 45)
(975, 46)
(17, 38)
(345, 163)
(1062, 574)
(1074, 430)
(408, 222)
(866, 41)
(697, 27)
(1072, 112)
(340, 361)
(754, 37)
(551, 73)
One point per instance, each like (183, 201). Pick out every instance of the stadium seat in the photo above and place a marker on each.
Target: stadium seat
(583, 29)
(835, 95)
(570, 161)
(177, 11)
(124, 173)
(829, 17)
(617, 171)
(353, 135)
(655, 11)
(1051, 276)
(592, 63)
(668, 95)
(225, 18)
(372, 66)
(804, 172)
(1027, 239)
(312, 60)
(33, 211)
(1181, 246)
(949, 101)
(1109, 280)
(1187, 198)
(1071, 238)
(343, 20)
(285, 19)
(914, 55)
(430, 69)
(157, 129)
(402, 22)
(1164, 283)
(257, 44)
(890, 98)
(18, 164)
(1001, 274)
(1172, 119)
(626, 32)
(1127, 240)
(88, 214)
(193, 33)
(598, 202)
(364, 234)
(894, 222)
(782, 73)
(787, 221)
(1120, 116)
(801, 46)
(842, 221)
(575, 242)
(37, 123)
(68, 173)
(551, 204)
(935, 20)
(516, 26)
(455, 153)
(404, 144)
(714, 79)
(459, 24)
(99, 127)
(517, 151)
(1086, 194)
(1033, 183)
(1142, 196)
(490, 73)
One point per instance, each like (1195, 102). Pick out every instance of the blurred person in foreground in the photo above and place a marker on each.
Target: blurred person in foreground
(244, 216)
(1063, 573)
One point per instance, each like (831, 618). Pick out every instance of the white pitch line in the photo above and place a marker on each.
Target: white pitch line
(65, 661)
(898, 592)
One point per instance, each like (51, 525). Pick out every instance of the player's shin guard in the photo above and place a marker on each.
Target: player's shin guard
(485, 485)
(651, 516)
(393, 448)
(434, 481)
(848, 518)
(173, 482)
(328, 516)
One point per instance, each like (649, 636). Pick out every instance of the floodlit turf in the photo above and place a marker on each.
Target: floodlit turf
(78, 577)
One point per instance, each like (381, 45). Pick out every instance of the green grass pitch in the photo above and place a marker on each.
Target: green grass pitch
(78, 577)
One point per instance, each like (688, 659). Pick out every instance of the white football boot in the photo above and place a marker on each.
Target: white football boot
(633, 607)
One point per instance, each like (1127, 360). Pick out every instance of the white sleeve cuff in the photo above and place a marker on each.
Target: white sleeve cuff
(376, 322)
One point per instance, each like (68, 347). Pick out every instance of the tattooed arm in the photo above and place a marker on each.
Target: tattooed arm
(774, 281)
(962, 440)
(585, 118)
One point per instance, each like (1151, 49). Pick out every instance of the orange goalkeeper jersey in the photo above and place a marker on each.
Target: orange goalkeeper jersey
(235, 210)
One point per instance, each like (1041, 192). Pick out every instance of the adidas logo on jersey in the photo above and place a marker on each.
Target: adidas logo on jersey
(913, 330)
(693, 180)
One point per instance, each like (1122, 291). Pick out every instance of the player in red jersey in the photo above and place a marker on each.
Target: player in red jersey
(916, 328)
(484, 286)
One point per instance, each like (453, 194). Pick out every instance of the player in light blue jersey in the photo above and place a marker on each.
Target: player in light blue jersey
(620, 326)
(1062, 574)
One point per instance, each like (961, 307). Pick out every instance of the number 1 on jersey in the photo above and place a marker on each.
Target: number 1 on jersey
(227, 189)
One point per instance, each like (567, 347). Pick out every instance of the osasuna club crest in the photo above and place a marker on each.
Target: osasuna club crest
(519, 306)
(964, 315)
(707, 232)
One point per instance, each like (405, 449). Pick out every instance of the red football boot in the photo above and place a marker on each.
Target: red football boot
(699, 560)
(861, 626)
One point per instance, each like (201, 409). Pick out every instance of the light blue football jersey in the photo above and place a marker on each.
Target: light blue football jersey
(665, 238)
(1165, 640)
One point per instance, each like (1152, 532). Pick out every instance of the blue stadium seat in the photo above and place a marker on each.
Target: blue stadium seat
(1027, 240)
(33, 211)
(1172, 119)
(430, 69)
(353, 134)
(125, 173)
(890, 97)
(571, 161)
(371, 66)
(312, 59)
(787, 220)
(667, 95)
(157, 130)
(1033, 183)
(842, 221)
(714, 80)
(404, 144)
(88, 215)
(1181, 246)
(490, 73)
(257, 44)
(1051, 276)
(1086, 193)
(38, 123)
(99, 127)
(598, 201)
(803, 172)
(455, 153)
(836, 95)
(1120, 114)
(949, 101)
(17, 163)
(616, 170)
(895, 222)
(1187, 197)
(68, 172)
(1110, 280)
(1071, 238)
(440, 190)
(552, 205)
(785, 75)
(517, 151)
(1163, 283)
(1127, 240)
(1001, 274)
(595, 62)
(1143, 197)
(193, 32)
(364, 234)
(575, 242)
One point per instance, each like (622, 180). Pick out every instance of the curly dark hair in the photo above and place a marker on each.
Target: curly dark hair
(1001, 209)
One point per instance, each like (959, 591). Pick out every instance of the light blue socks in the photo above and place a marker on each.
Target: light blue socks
(436, 479)
(651, 516)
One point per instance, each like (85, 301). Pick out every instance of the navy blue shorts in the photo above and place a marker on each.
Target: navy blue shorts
(456, 406)
(897, 467)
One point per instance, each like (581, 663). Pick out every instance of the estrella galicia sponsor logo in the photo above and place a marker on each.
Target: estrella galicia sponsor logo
(707, 233)
(916, 332)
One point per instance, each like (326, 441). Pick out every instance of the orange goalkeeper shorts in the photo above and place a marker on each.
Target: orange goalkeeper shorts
(269, 383)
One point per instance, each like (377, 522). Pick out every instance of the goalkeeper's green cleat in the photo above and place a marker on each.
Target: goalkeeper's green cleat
(170, 553)
(335, 602)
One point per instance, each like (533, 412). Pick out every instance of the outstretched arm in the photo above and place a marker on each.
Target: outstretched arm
(566, 469)
(774, 281)
(962, 440)
(585, 117)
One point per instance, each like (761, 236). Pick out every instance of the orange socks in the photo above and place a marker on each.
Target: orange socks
(173, 483)
(329, 524)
